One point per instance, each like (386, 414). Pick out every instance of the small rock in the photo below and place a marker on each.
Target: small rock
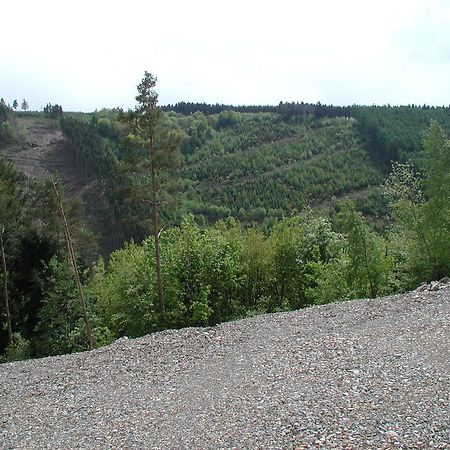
(434, 286)
(392, 435)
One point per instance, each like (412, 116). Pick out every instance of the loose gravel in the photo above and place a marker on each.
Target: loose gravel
(365, 374)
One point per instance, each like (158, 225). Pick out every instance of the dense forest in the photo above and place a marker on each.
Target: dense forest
(260, 209)
(258, 166)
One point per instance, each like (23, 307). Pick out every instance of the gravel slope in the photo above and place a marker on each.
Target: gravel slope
(366, 374)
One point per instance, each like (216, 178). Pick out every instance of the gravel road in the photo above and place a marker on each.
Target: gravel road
(366, 374)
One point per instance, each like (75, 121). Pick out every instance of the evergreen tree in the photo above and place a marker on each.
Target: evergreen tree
(53, 111)
(25, 106)
(61, 327)
(146, 124)
(436, 208)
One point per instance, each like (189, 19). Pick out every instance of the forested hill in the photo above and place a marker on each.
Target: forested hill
(255, 163)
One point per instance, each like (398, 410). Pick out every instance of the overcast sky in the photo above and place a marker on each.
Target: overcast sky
(86, 55)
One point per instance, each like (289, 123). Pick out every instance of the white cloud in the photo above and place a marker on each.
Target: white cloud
(90, 54)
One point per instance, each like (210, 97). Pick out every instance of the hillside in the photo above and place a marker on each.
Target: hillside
(370, 374)
(252, 166)
(256, 164)
(256, 167)
(260, 168)
(294, 166)
(41, 154)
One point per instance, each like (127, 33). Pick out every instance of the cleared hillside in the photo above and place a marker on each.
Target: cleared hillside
(370, 374)
(40, 154)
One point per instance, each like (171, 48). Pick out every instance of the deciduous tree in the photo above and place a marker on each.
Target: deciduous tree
(368, 265)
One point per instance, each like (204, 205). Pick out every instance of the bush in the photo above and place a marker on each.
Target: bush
(18, 350)
(126, 293)
(7, 133)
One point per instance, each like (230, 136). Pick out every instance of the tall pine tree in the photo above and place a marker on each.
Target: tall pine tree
(146, 124)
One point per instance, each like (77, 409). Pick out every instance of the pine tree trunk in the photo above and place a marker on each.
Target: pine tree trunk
(73, 263)
(159, 280)
(5, 290)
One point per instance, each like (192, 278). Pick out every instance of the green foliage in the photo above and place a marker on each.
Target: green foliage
(154, 132)
(403, 185)
(201, 273)
(7, 118)
(304, 246)
(198, 132)
(18, 350)
(92, 153)
(368, 265)
(436, 209)
(238, 170)
(259, 265)
(126, 292)
(227, 119)
(328, 280)
(421, 210)
(32, 237)
(108, 128)
(215, 274)
(224, 270)
(287, 238)
(186, 274)
(394, 133)
(9, 194)
(7, 133)
(53, 111)
(60, 328)
(5, 111)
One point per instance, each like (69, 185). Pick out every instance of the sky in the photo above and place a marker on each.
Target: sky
(87, 55)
